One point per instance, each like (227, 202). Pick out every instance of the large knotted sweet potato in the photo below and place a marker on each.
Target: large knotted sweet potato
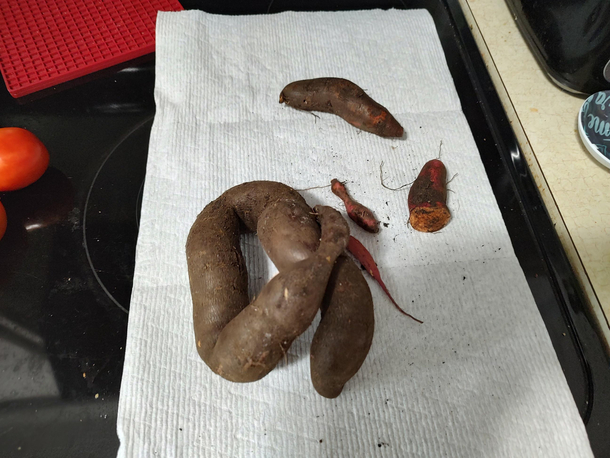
(244, 341)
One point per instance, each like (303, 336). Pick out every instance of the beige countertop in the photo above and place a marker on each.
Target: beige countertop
(572, 184)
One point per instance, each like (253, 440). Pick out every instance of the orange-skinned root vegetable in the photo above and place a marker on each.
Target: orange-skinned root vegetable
(366, 259)
(345, 99)
(427, 198)
(244, 341)
(360, 214)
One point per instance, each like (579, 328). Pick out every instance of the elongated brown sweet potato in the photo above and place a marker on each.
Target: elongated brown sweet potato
(345, 99)
(345, 331)
(242, 342)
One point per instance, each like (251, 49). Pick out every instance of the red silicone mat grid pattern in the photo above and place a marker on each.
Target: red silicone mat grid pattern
(47, 42)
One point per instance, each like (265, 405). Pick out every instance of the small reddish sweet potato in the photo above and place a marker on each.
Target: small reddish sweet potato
(360, 214)
(428, 197)
(345, 99)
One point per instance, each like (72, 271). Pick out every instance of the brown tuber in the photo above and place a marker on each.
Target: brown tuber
(345, 99)
(427, 198)
(244, 341)
(357, 212)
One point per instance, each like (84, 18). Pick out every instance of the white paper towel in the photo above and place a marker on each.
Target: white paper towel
(478, 379)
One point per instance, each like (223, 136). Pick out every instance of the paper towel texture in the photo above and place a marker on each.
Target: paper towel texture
(478, 379)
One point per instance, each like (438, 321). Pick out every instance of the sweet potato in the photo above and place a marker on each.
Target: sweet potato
(359, 251)
(345, 99)
(427, 198)
(345, 331)
(357, 212)
(242, 342)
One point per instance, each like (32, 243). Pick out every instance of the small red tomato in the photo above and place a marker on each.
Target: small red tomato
(23, 158)
(2, 220)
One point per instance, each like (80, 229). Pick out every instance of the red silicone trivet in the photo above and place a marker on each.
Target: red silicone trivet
(47, 42)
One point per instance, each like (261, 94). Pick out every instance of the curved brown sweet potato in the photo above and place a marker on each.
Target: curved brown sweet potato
(345, 99)
(243, 342)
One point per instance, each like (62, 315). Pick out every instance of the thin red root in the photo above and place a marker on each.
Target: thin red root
(366, 259)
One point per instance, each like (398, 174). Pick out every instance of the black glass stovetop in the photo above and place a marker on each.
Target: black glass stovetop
(67, 259)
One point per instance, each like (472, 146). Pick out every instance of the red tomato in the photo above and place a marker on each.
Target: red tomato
(2, 220)
(23, 158)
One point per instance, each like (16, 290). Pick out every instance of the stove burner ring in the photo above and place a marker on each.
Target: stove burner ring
(109, 234)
